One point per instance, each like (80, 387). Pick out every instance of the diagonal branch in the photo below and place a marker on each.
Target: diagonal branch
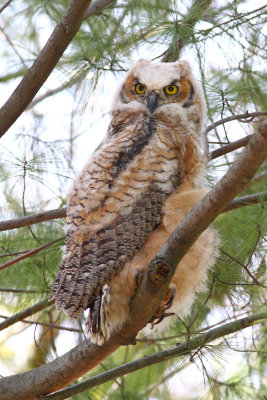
(44, 64)
(29, 254)
(229, 147)
(153, 288)
(177, 351)
(24, 314)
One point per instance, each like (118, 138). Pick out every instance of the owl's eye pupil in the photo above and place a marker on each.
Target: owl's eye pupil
(171, 89)
(139, 88)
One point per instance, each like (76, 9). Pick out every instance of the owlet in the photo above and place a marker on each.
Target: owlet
(143, 179)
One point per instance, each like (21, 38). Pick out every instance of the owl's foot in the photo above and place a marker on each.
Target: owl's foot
(165, 305)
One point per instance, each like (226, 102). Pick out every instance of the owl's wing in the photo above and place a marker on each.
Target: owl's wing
(112, 209)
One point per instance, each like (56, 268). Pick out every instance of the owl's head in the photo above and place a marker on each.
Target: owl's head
(155, 87)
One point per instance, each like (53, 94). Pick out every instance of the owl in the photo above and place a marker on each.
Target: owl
(142, 180)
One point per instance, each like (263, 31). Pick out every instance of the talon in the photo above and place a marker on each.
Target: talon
(165, 305)
(169, 298)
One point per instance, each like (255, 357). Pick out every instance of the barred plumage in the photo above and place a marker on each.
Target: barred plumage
(152, 149)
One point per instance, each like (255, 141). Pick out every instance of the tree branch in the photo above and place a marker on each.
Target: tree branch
(229, 147)
(177, 351)
(44, 64)
(32, 219)
(96, 7)
(29, 253)
(51, 325)
(153, 288)
(24, 314)
(193, 15)
(5, 5)
(61, 212)
(246, 200)
(251, 115)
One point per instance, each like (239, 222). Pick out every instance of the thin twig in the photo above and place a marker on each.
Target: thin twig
(14, 253)
(29, 253)
(12, 290)
(26, 313)
(245, 267)
(59, 327)
(235, 117)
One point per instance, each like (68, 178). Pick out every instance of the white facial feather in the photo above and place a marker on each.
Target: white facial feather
(157, 75)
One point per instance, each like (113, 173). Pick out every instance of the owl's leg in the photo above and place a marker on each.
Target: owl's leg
(165, 305)
(96, 326)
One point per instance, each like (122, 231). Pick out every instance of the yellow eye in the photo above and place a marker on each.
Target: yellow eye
(171, 89)
(139, 88)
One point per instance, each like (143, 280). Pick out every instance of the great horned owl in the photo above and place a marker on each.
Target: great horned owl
(143, 179)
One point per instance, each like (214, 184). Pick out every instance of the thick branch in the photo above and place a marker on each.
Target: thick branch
(44, 64)
(85, 356)
(177, 351)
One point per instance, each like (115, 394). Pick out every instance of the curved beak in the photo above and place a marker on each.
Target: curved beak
(152, 101)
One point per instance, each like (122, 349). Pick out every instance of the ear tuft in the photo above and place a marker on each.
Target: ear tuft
(142, 61)
(184, 66)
